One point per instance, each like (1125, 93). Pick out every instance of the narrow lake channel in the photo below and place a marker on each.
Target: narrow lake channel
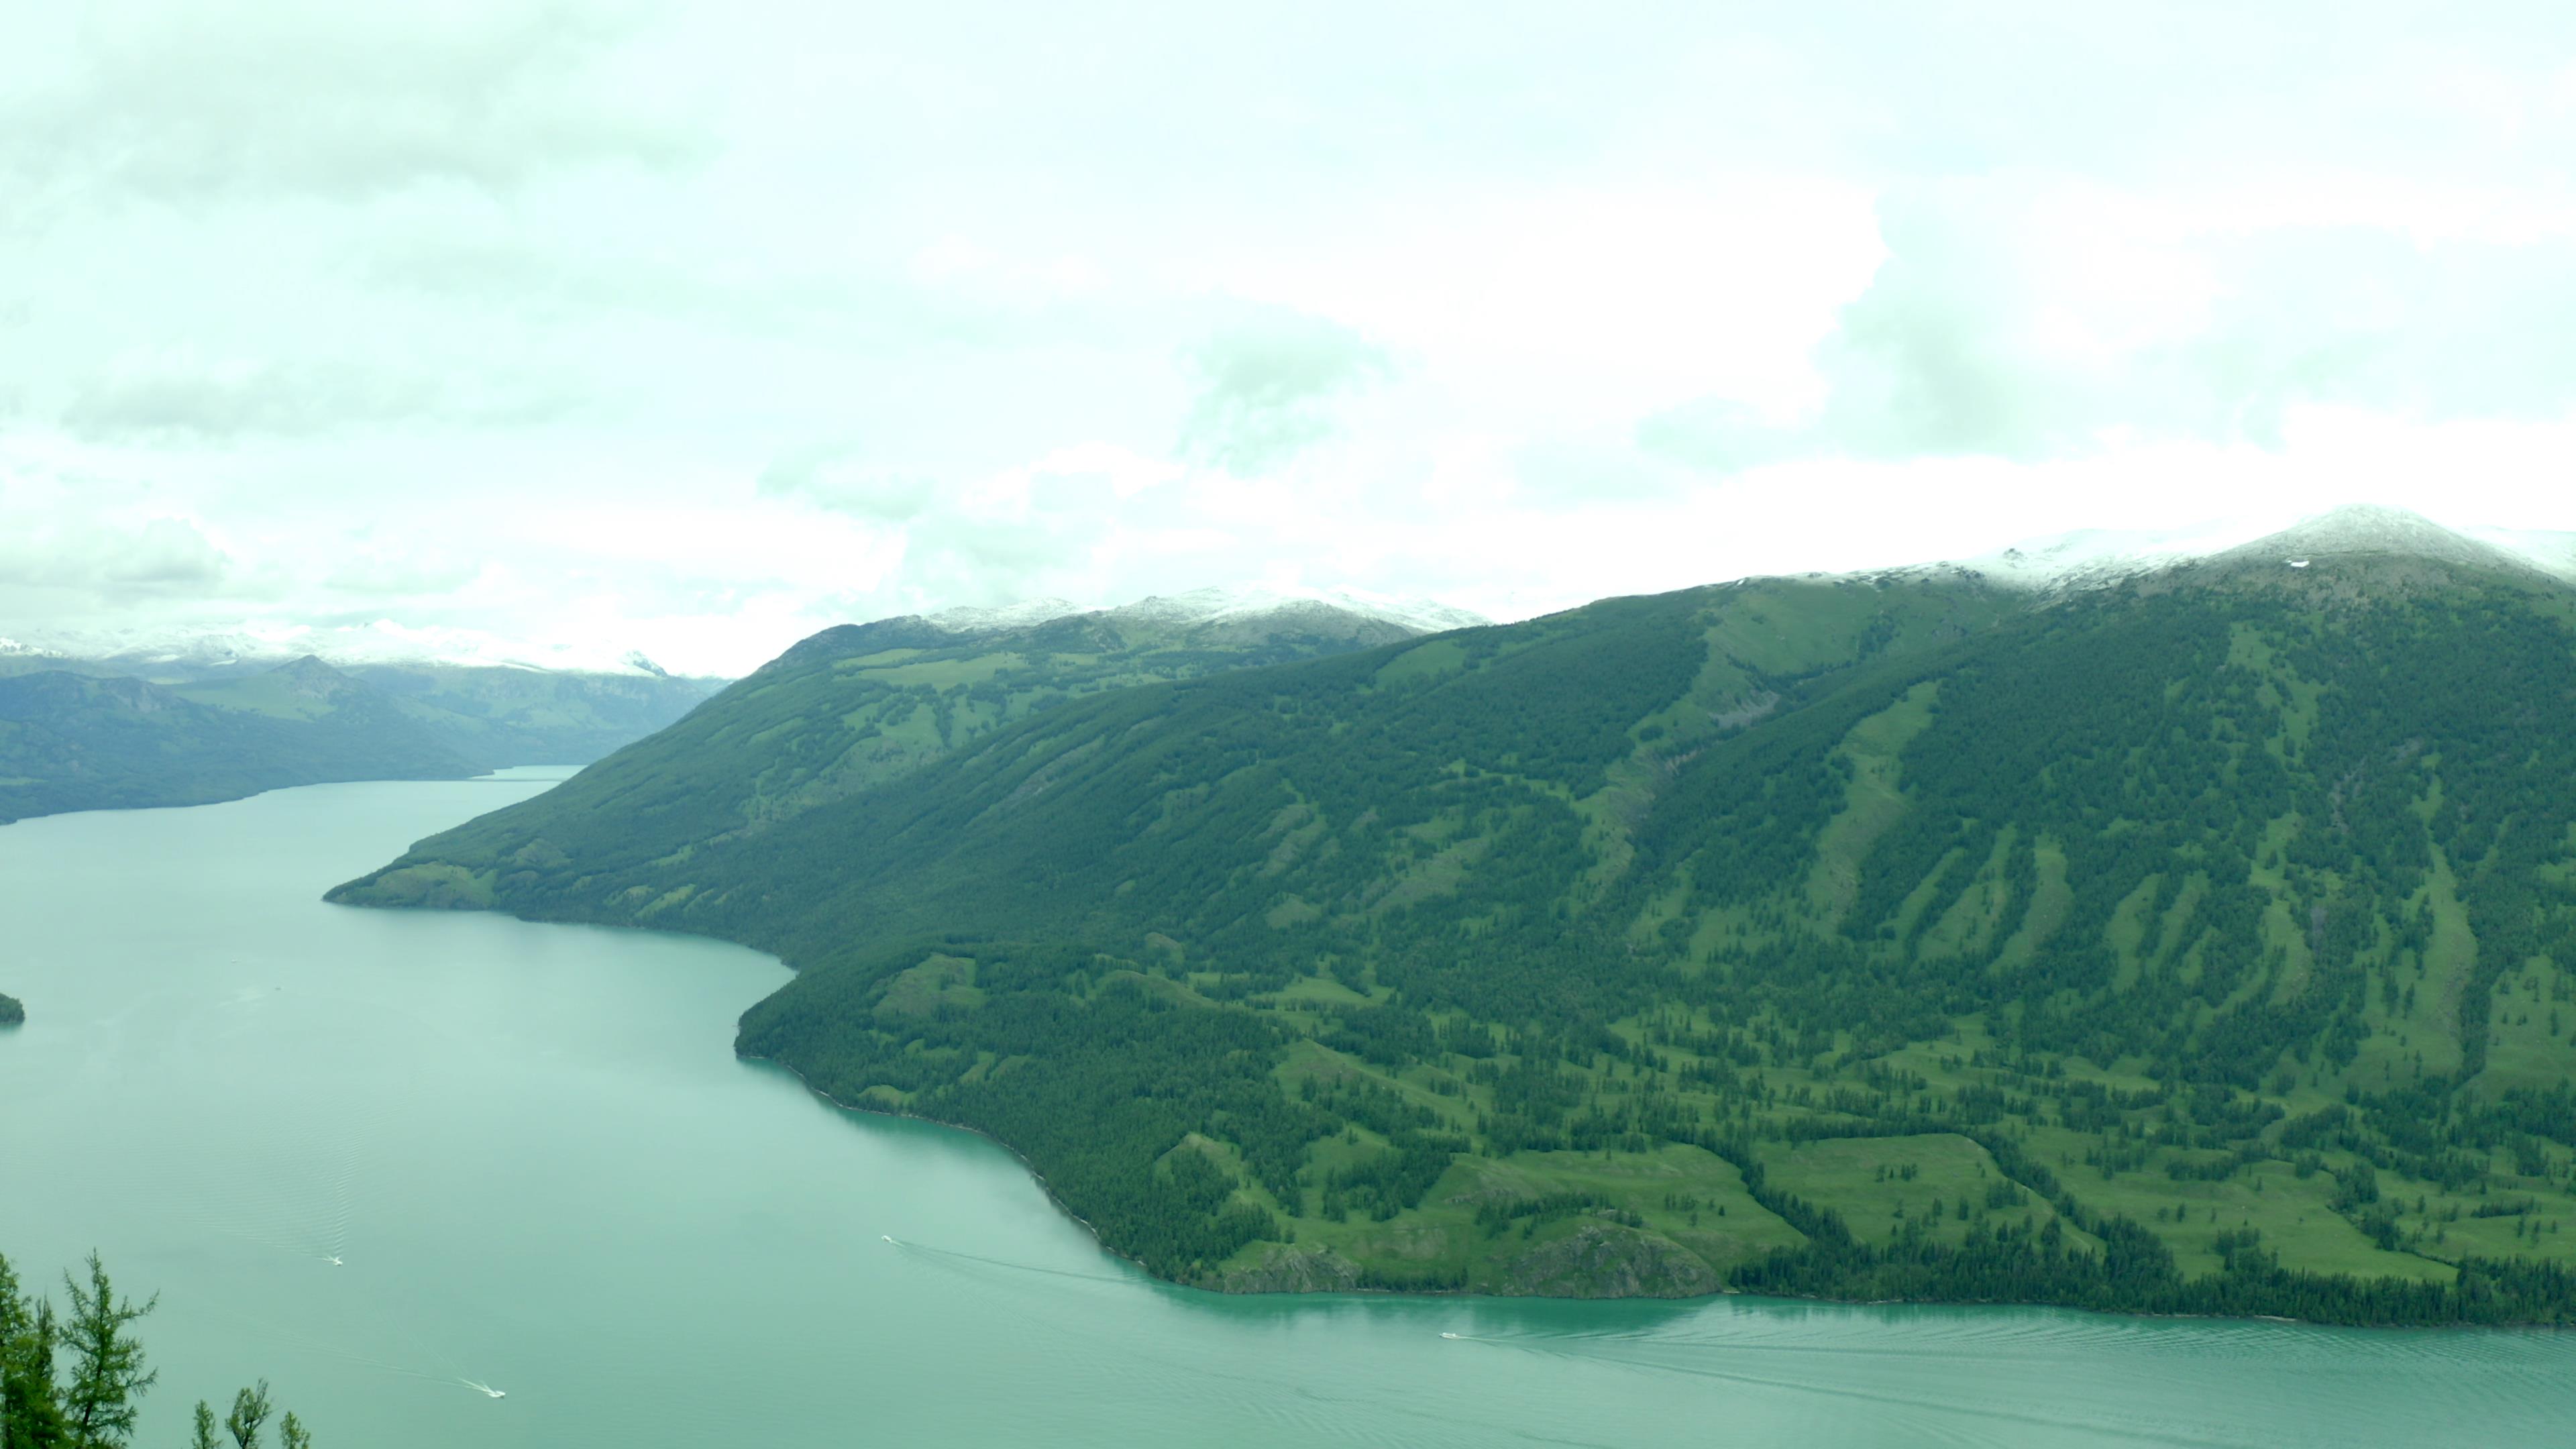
(391, 1161)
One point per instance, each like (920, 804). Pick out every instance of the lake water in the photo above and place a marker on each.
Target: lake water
(541, 1169)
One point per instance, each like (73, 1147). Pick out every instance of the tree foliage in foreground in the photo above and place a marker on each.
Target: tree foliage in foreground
(75, 1378)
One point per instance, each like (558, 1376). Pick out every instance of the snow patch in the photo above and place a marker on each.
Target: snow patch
(1216, 606)
(1027, 614)
(2093, 558)
(383, 642)
(2550, 551)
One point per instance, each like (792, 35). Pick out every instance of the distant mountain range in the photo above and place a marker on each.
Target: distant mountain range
(2182, 927)
(163, 653)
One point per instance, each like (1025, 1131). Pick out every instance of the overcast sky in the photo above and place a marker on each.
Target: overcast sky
(695, 327)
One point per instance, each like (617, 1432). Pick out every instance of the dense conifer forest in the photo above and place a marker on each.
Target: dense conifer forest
(2201, 944)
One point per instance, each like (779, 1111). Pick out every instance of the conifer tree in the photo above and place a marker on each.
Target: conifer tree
(250, 1411)
(30, 1410)
(107, 1376)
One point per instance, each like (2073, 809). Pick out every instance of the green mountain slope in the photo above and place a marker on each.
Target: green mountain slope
(847, 710)
(2196, 945)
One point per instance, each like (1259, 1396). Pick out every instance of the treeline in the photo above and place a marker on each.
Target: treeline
(75, 1377)
(2003, 1263)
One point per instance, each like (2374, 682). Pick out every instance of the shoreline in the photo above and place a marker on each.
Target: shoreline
(1723, 1291)
(1157, 1280)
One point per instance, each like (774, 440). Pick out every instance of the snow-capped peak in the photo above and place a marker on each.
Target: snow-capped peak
(1026, 614)
(2366, 529)
(1216, 605)
(12, 647)
(2089, 558)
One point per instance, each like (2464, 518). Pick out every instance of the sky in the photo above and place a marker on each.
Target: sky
(692, 328)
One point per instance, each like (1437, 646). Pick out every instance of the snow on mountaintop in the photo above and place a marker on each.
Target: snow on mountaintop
(2089, 557)
(2551, 552)
(1218, 605)
(13, 647)
(2092, 557)
(1213, 605)
(967, 619)
(2365, 530)
(383, 642)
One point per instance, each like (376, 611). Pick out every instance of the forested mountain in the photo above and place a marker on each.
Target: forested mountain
(858, 706)
(2196, 943)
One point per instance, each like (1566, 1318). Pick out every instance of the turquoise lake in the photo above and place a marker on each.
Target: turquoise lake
(541, 1170)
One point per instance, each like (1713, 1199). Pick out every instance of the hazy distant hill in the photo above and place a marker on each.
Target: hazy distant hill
(186, 726)
(2204, 942)
(477, 694)
(78, 742)
(515, 716)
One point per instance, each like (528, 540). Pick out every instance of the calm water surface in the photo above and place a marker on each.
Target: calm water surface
(541, 1169)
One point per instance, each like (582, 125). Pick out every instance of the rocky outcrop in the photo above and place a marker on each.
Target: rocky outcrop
(1288, 1268)
(1610, 1260)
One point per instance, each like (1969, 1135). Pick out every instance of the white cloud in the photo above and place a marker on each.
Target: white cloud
(181, 99)
(1266, 386)
(692, 327)
(111, 560)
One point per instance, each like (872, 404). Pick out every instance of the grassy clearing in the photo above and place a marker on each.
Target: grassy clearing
(1879, 1184)
(1492, 1222)
(1872, 800)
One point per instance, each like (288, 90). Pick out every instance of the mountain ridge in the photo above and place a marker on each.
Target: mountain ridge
(854, 706)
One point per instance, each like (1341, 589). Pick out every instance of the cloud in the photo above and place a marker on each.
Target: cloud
(1265, 387)
(173, 99)
(178, 394)
(1046, 527)
(401, 572)
(1038, 527)
(158, 555)
(1491, 303)
(1714, 434)
(2032, 320)
(833, 476)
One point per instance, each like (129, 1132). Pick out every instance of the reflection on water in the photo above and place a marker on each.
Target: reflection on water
(450, 1179)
